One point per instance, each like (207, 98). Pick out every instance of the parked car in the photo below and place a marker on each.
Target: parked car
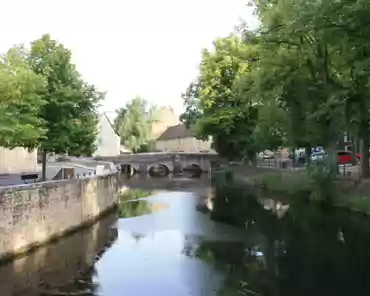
(267, 155)
(318, 156)
(344, 157)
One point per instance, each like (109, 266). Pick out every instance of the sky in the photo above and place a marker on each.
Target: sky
(150, 48)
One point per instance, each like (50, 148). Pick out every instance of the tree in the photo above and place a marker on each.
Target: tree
(306, 79)
(221, 106)
(271, 126)
(120, 114)
(332, 41)
(135, 124)
(20, 102)
(70, 105)
(191, 102)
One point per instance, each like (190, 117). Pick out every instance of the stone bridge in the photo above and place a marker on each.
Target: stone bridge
(173, 161)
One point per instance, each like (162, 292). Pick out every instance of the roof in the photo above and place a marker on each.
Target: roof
(176, 132)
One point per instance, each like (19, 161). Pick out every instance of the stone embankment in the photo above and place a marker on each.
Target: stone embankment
(33, 214)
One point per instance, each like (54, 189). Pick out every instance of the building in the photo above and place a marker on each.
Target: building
(108, 142)
(165, 117)
(180, 139)
(17, 161)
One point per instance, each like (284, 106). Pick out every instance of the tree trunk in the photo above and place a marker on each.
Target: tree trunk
(354, 149)
(308, 154)
(365, 171)
(44, 159)
(333, 162)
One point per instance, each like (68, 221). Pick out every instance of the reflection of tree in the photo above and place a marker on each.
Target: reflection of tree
(312, 250)
(134, 194)
(134, 208)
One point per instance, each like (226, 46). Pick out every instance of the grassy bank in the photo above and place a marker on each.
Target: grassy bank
(292, 185)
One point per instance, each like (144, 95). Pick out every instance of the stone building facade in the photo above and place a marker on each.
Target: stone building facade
(17, 161)
(180, 139)
(166, 117)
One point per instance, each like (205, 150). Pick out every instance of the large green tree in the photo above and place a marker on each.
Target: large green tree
(331, 39)
(70, 105)
(298, 68)
(219, 104)
(20, 101)
(134, 124)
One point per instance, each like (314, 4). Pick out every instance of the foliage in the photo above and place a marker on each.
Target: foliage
(147, 147)
(270, 132)
(70, 105)
(191, 101)
(120, 114)
(301, 80)
(134, 124)
(20, 101)
(327, 42)
(217, 102)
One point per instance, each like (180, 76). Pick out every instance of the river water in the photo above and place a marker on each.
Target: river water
(160, 242)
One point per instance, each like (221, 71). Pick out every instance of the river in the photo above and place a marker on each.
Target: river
(160, 242)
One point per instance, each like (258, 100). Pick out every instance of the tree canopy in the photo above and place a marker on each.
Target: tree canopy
(70, 105)
(44, 102)
(134, 124)
(20, 101)
(300, 80)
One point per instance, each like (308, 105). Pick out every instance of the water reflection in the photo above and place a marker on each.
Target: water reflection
(244, 245)
(310, 250)
(132, 204)
(64, 267)
(155, 254)
(138, 208)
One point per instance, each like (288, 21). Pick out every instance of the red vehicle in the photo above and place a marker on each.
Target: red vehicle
(345, 157)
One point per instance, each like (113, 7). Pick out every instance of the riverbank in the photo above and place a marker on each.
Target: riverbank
(288, 185)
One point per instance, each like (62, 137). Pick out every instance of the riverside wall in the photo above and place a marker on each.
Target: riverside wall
(33, 214)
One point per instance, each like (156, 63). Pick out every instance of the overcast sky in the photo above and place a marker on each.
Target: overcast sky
(150, 48)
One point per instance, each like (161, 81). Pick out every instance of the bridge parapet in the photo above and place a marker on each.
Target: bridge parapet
(142, 162)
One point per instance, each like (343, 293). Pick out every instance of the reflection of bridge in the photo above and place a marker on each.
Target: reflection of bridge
(172, 161)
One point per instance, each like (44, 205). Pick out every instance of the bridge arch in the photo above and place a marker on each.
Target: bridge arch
(128, 169)
(158, 170)
(193, 169)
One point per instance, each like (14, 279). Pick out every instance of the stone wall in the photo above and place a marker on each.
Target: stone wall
(35, 213)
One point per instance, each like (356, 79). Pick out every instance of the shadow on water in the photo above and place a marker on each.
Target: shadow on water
(311, 249)
(65, 267)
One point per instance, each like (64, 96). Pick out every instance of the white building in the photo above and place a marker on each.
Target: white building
(108, 142)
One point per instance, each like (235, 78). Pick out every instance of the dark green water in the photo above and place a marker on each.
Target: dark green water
(159, 243)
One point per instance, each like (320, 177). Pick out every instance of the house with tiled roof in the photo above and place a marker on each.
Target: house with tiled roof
(178, 138)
